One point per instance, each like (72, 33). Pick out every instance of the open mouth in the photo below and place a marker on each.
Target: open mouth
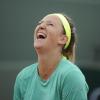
(41, 36)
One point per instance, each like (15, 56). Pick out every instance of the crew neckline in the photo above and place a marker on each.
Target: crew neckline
(45, 82)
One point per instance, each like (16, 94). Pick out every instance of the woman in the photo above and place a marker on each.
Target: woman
(54, 76)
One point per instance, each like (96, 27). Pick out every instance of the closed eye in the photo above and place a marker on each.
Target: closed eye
(50, 24)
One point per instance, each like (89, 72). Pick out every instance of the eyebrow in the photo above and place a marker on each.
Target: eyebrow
(48, 21)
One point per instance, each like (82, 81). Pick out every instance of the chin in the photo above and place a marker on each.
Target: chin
(37, 46)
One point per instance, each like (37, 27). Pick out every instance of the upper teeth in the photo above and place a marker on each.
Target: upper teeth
(41, 35)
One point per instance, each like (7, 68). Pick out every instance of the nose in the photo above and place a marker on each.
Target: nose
(42, 25)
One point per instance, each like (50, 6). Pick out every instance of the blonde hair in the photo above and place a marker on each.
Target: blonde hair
(69, 52)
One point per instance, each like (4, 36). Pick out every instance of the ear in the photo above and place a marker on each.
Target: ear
(62, 39)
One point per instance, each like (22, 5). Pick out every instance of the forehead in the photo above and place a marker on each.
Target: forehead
(52, 18)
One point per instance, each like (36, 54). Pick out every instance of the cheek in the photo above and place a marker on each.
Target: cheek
(53, 38)
(36, 28)
(34, 32)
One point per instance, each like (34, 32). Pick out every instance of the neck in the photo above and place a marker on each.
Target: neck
(48, 63)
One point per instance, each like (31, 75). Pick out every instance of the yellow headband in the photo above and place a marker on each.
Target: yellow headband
(66, 27)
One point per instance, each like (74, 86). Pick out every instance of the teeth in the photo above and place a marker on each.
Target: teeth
(41, 36)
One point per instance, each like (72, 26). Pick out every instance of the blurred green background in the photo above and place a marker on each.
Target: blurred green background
(18, 19)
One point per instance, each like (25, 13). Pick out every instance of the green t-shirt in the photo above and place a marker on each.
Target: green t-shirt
(66, 83)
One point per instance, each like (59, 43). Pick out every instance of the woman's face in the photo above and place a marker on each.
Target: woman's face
(49, 33)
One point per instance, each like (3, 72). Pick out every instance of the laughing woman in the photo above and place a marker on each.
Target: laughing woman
(54, 76)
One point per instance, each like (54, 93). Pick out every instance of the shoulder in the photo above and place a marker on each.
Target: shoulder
(27, 72)
(23, 79)
(72, 75)
(72, 81)
(67, 67)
